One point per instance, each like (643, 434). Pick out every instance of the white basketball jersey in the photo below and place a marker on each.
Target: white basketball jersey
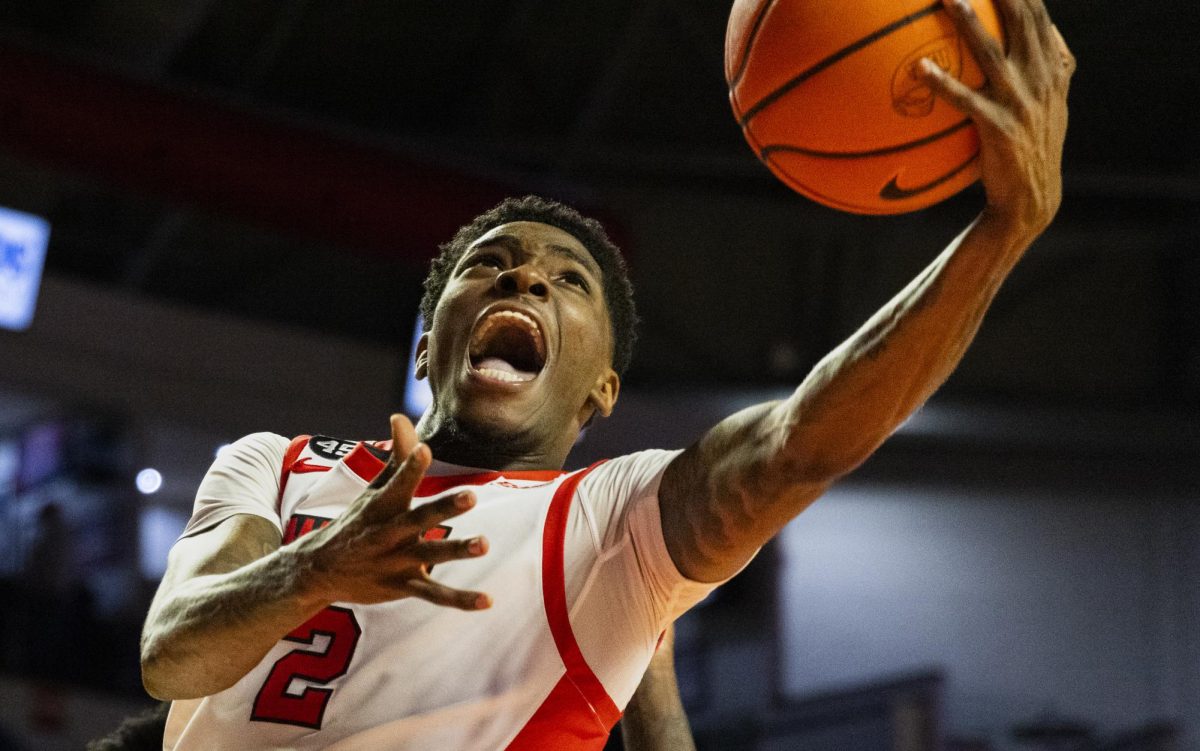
(538, 670)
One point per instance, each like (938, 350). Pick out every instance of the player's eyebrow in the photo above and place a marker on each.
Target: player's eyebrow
(513, 244)
(583, 259)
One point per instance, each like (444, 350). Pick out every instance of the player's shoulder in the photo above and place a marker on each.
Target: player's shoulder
(333, 449)
(630, 473)
(252, 444)
(321, 445)
(647, 459)
(263, 439)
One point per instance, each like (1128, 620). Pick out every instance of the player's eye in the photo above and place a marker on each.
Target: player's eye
(576, 279)
(490, 260)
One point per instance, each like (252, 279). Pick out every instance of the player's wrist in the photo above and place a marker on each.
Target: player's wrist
(1007, 233)
(307, 582)
(1023, 219)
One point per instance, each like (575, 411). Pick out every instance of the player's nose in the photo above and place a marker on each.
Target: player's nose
(523, 280)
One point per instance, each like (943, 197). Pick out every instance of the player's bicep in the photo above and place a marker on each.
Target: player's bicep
(227, 546)
(731, 491)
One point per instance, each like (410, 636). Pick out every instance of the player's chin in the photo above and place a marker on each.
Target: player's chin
(495, 420)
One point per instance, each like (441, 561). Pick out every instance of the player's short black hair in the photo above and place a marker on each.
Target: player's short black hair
(143, 732)
(618, 291)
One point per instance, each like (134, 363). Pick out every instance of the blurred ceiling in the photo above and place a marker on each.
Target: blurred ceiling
(299, 160)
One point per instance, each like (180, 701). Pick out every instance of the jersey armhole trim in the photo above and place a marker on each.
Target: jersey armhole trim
(289, 458)
(589, 519)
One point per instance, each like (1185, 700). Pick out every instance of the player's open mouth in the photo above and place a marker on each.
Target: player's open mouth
(507, 346)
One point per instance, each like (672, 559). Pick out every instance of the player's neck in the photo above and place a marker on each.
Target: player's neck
(453, 444)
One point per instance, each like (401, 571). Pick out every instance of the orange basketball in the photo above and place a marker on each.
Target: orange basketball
(828, 95)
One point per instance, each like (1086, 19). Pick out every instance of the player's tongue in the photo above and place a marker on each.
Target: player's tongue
(499, 368)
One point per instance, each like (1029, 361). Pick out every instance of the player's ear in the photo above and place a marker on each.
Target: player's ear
(603, 396)
(422, 357)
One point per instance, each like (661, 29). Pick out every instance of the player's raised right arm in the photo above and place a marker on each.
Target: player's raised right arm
(232, 592)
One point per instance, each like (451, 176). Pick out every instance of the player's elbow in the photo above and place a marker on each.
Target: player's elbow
(166, 679)
(160, 677)
(810, 457)
(825, 467)
(155, 678)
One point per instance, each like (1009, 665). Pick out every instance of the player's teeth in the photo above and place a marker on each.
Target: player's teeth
(500, 375)
(492, 319)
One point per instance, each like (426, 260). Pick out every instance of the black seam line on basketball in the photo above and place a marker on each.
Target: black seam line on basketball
(893, 192)
(762, 13)
(834, 58)
(789, 149)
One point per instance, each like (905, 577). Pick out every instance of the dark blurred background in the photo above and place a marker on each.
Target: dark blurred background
(242, 200)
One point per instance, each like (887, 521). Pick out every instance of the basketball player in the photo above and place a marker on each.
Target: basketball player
(351, 595)
(654, 720)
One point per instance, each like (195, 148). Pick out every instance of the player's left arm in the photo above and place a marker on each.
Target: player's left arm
(654, 719)
(752, 473)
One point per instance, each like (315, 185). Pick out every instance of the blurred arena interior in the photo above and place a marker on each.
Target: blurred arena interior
(242, 200)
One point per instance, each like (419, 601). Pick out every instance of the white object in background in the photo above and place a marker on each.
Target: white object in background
(23, 241)
(149, 481)
(417, 396)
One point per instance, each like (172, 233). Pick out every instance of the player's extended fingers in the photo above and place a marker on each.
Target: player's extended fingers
(1040, 18)
(984, 47)
(985, 113)
(404, 435)
(1019, 34)
(395, 496)
(433, 552)
(404, 440)
(440, 594)
(1027, 27)
(434, 513)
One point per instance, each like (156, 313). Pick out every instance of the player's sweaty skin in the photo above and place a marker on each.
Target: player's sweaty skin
(234, 592)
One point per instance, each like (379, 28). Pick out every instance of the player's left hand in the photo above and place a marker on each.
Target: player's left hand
(1021, 113)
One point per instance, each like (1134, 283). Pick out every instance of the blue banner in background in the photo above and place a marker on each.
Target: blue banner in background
(23, 240)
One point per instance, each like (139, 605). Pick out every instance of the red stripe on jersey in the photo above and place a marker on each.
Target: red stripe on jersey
(363, 463)
(289, 458)
(289, 534)
(434, 485)
(301, 524)
(563, 722)
(578, 714)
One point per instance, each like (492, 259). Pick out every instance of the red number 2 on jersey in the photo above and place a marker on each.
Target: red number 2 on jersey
(275, 703)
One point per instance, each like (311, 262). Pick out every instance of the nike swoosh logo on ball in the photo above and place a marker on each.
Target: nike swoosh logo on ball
(893, 192)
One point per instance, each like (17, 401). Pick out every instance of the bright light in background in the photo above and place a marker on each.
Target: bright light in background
(222, 449)
(23, 240)
(158, 529)
(417, 396)
(149, 481)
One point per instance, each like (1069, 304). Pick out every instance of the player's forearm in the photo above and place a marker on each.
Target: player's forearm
(655, 720)
(863, 390)
(744, 480)
(211, 630)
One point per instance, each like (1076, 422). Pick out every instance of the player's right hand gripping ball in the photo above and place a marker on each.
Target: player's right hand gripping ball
(830, 99)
